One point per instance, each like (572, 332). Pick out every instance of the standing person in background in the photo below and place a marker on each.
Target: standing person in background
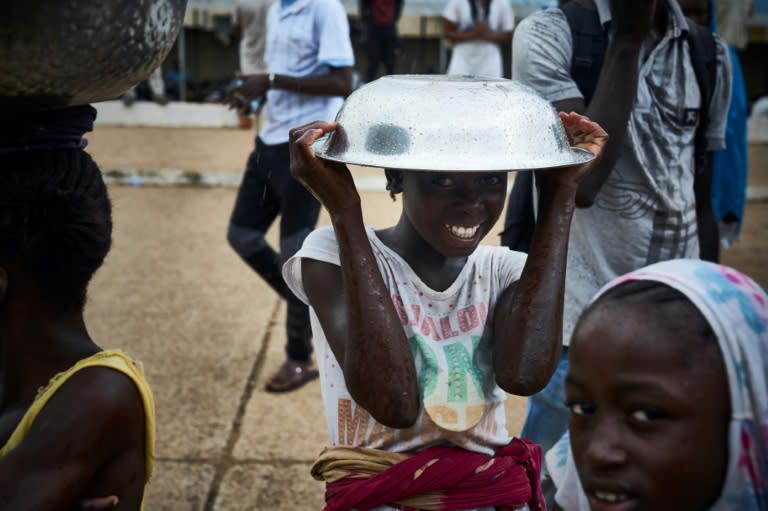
(309, 72)
(382, 43)
(639, 206)
(251, 29)
(730, 167)
(478, 29)
(731, 20)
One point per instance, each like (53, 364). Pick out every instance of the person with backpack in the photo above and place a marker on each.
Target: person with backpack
(639, 68)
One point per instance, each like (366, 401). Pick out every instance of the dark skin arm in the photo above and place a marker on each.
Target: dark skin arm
(480, 32)
(616, 89)
(528, 319)
(360, 321)
(709, 235)
(337, 82)
(83, 460)
(362, 303)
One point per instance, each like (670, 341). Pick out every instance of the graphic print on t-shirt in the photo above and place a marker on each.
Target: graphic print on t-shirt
(445, 350)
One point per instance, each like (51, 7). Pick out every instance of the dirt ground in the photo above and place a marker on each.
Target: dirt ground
(174, 295)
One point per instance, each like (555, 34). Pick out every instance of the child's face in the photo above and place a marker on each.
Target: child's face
(649, 420)
(453, 211)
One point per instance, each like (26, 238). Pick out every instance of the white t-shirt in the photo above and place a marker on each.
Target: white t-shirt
(251, 15)
(450, 336)
(480, 58)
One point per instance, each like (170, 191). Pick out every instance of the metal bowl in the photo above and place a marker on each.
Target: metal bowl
(449, 123)
(57, 53)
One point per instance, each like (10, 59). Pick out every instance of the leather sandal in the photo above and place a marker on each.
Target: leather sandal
(291, 375)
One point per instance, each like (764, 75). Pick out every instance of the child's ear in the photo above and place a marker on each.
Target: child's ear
(394, 180)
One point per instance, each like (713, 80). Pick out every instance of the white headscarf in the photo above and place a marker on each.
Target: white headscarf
(736, 309)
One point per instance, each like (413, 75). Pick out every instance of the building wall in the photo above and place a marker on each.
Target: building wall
(212, 58)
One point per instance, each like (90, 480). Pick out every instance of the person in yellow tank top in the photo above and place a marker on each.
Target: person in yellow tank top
(76, 422)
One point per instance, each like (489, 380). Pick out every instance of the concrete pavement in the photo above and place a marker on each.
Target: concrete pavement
(174, 295)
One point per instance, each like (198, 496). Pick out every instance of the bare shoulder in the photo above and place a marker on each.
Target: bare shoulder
(322, 281)
(89, 440)
(109, 391)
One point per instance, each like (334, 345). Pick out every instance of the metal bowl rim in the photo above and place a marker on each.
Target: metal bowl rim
(581, 155)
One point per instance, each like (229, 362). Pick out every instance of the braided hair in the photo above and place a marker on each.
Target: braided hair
(55, 220)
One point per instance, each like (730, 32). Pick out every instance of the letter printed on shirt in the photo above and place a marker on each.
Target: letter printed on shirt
(352, 428)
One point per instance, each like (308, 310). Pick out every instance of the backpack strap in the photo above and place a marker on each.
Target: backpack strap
(703, 48)
(590, 42)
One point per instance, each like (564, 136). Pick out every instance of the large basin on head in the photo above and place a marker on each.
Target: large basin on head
(57, 53)
(449, 123)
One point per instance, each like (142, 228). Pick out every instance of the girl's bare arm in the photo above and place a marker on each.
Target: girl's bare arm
(528, 318)
(352, 302)
(88, 442)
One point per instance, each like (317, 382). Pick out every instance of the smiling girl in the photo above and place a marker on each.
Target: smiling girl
(420, 330)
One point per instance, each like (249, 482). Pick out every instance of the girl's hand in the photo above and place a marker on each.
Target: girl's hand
(584, 134)
(331, 182)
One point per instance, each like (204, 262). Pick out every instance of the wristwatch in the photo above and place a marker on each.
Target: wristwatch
(271, 80)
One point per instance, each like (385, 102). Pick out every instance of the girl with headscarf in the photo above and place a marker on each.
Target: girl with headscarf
(668, 394)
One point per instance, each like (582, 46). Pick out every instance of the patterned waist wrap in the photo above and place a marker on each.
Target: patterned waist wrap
(439, 478)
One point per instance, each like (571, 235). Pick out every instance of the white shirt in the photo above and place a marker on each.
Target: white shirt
(251, 16)
(480, 58)
(450, 334)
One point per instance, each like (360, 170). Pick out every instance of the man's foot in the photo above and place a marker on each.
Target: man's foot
(129, 97)
(160, 99)
(291, 376)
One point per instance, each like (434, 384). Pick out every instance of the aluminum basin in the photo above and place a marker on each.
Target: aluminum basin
(449, 123)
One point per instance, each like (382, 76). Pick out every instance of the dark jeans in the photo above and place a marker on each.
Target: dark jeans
(267, 190)
(382, 47)
(520, 221)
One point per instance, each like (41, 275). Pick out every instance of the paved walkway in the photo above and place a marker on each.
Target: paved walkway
(174, 295)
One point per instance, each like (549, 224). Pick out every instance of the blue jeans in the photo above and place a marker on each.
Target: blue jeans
(547, 418)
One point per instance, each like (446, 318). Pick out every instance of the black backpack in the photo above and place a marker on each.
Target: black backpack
(590, 42)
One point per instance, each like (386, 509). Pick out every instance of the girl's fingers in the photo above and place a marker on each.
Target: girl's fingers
(309, 137)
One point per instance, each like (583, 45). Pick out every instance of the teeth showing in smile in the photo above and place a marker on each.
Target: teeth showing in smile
(462, 232)
(611, 497)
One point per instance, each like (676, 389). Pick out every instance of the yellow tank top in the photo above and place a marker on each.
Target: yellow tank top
(113, 359)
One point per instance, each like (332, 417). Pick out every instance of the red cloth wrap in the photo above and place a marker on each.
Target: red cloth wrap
(458, 477)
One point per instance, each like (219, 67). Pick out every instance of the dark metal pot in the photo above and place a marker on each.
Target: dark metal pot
(57, 53)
